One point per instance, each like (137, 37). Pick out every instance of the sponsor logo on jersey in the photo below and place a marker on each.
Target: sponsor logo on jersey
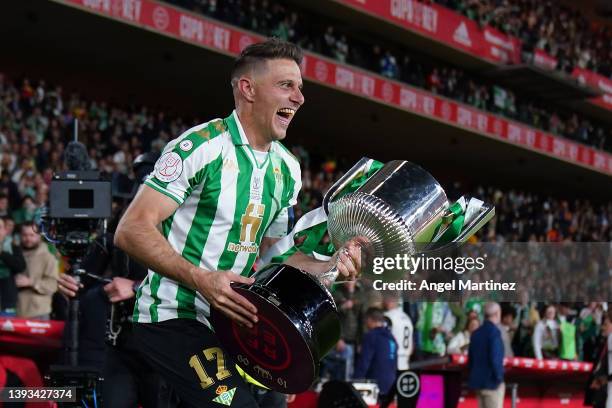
(250, 223)
(186, 145)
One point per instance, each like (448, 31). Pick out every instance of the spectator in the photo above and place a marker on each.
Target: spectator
(329, 42)
(460, 342)
(433, 81)
(38, 282)
(9, 189)
(9, 226)
(589, 321)
(435, 323)
(4, 205)
(342, 49)
(599, 390)
(378, 357)
(401, 328)
(546, 335)
(567, 329)
(507, 331)
(338, 364)
(388, 66)
(26, 211)
(11, 263)
(486, 360)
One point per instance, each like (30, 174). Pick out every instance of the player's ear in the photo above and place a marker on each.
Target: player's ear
(246, 87)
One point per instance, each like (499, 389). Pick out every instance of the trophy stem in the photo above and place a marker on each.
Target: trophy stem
(328, 278)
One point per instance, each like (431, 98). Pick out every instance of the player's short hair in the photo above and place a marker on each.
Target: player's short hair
(273, 48)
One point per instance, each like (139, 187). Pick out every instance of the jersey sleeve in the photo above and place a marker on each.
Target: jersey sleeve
(181, 166)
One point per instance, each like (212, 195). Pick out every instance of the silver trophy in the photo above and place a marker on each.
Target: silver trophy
(401, 209)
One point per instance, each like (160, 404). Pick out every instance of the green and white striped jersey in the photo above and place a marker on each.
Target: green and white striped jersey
(228, 201)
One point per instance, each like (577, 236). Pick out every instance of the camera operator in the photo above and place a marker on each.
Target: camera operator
(128, 380)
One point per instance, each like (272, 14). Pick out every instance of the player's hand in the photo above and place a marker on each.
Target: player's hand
(119, 289)
(68, 286)
(348, 260)
(216, 288)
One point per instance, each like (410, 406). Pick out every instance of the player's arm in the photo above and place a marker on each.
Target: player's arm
(138, 236)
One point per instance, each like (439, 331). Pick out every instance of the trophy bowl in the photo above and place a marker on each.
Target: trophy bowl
(399, 207)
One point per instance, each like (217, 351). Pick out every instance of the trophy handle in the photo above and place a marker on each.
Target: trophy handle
(487, 212)
(339, 185)
(485, 216)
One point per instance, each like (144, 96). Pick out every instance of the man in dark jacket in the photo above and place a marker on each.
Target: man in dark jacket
(486, 360)
(11, 263)
(378, 357)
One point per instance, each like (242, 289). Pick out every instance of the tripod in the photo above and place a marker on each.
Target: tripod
(84, 379)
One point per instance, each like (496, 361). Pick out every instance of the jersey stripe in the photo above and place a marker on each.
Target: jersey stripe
(228, 258)
(166, 308)
(205, 212)
(154, 287)
(227, 203)
(144, 283)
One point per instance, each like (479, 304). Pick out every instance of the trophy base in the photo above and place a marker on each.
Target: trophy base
(298, 324)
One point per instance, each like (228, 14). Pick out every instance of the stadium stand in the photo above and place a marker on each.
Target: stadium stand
(564, 33)
(328, 37)
(37, 122)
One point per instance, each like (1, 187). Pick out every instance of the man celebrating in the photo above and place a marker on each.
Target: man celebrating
(221, 192)
(38, 282)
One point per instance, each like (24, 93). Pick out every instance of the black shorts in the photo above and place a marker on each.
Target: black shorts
(190, 358)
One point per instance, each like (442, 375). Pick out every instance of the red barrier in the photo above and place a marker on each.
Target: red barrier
(533, 365)
(543, 60)
(598, 82)
(36, 333)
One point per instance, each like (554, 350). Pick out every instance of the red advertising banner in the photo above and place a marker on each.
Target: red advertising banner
(226, 39)
(543, 60)
(501, 47)
(598, 82)
(445, 26)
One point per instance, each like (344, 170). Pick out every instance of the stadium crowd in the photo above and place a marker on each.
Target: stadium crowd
(36, 122)
(564, 33)
(333, 39)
